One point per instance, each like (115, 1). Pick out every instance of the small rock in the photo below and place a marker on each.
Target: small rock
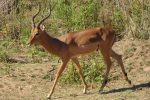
(146, 69)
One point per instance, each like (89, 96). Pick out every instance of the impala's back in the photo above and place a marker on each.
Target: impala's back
(88, 40)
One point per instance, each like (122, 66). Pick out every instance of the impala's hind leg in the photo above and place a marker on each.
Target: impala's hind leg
(108, 62)
(78, 67)
(119, 60)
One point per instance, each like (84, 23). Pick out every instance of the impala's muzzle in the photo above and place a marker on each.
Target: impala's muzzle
(30, 41)
(29, 44)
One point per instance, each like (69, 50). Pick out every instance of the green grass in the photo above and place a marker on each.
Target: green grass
(91, 67)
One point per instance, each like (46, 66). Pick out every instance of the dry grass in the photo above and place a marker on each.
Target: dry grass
(20, 81)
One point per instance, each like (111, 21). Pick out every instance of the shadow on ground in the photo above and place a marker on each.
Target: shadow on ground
(134, 87)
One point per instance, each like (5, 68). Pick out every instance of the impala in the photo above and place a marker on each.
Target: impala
(69, 46)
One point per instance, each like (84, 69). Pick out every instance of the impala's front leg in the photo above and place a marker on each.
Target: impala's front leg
(62, 67)
(78, 67)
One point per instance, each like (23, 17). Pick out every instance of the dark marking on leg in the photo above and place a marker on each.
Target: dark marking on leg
(126, 74)
(120, 62)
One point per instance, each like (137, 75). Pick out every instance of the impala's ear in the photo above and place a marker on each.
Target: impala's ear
(103, 33)
(42, 27)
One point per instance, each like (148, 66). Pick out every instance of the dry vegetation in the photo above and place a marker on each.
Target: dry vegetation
(26, 73)
(30, 81)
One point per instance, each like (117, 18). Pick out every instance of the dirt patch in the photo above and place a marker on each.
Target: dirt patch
(27, 81)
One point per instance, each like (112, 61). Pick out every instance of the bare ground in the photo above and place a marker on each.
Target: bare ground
(26, 81)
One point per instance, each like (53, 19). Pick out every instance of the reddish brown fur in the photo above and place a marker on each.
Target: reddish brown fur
(71, 45)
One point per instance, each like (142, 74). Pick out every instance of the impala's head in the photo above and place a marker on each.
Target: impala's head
(37, 31)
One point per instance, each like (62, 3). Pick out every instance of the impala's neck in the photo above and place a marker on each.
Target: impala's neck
(52, 45)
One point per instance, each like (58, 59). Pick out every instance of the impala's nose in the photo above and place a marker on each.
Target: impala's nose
(28, 44)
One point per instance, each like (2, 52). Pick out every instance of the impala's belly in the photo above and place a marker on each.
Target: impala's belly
(83, 49)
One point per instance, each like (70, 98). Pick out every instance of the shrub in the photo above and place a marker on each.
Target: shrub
(91, 67)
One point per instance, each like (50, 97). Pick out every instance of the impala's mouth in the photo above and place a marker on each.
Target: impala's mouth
(29, 43)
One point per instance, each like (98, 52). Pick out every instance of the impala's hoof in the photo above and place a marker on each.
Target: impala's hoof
(48, 97)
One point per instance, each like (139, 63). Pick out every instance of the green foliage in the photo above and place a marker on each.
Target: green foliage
(3, 56)
(24, 35)
(91, 68)
(129, 19)
(76, 16)
(71, 76)
(3, 52)
(36, 55)
(93, 73)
